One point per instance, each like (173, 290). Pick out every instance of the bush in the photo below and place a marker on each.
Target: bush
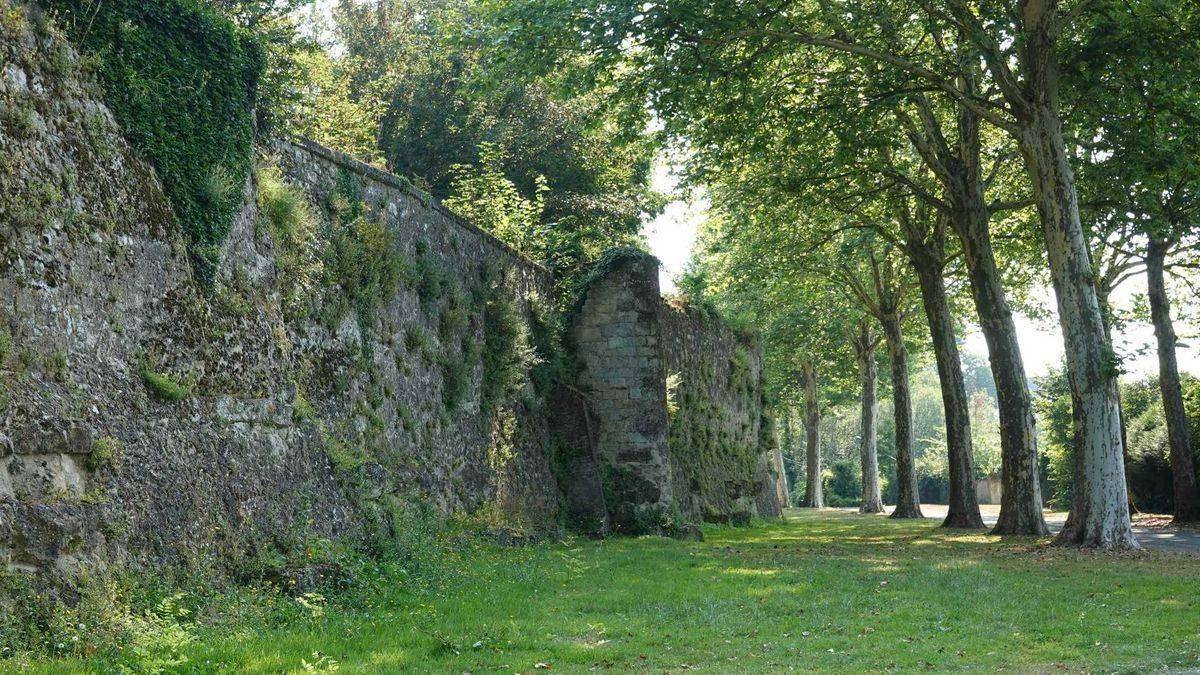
(843, 484)
(182, 82)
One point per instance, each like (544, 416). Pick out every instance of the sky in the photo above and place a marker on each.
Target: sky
(672, 235)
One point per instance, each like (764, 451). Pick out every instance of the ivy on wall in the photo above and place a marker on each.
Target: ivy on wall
(182, 82)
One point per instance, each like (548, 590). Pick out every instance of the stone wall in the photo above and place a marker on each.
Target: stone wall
(722, 449)
(678, 397)
(616, 339)
(147, 420)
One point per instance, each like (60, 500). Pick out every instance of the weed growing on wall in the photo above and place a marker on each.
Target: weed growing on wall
(162, 385)
(286, 212)
(182, 82)
(362, 258)
(507, 354)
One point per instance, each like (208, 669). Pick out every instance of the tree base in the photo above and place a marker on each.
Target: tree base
(904, 512)
(1187, 514)
(964, 521)
(871, 508)
(1116, 538)
(1021, 524)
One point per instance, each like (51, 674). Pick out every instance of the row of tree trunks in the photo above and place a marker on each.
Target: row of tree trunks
(1183, 468)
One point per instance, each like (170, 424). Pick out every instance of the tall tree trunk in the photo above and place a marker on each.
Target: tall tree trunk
(1103, 293)
(1100, 512)
(963, 508)
(872, 501)
(908, 501)
(1183, 467)
(813, 494)
(1020, 489)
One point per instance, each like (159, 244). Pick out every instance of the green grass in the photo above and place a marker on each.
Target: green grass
(830, 591)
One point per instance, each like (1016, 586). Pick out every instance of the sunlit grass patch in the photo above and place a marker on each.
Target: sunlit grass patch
(827, 590)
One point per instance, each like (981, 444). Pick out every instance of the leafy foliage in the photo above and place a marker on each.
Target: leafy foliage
(552, 174)
(182, 82)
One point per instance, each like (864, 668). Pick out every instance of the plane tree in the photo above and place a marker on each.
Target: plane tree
(1134, 103)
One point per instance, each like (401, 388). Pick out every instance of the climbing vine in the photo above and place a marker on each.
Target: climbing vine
(182, 82)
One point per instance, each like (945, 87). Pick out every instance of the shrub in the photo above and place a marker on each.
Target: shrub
(843, 484)
(182, 82)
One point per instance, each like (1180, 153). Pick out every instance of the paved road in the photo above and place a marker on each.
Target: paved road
(1164, 538)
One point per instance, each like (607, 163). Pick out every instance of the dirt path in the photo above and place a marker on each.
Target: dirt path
(1154, 532)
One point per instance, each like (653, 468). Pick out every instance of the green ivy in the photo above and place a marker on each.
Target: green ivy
(182, 82)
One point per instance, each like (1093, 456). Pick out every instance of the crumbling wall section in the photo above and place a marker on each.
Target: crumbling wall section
(617, 341)
(722, 454)
(678, 398)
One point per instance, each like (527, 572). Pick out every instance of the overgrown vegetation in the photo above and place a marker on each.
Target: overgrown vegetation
(293, 226)
(126, 621)
(508, 356)
(182, 82)
(362, 258)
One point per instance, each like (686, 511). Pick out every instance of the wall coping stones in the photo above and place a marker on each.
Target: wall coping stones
(364, 170)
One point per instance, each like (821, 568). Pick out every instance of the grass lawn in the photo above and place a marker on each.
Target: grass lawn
(829, 591)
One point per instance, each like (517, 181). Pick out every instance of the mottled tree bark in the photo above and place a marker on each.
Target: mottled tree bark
(908, 502)
(814, 496)
(789, 450)
(872, 501)
(782, 489)
(1100, 510)
(1183, 467)
(1103, 292)
(963, 507)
